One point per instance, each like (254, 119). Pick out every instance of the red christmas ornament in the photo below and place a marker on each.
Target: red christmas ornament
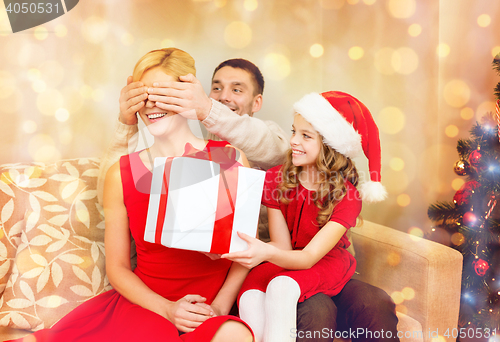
(480, 266)
(463, 195)
(469, 218)
(475, 159)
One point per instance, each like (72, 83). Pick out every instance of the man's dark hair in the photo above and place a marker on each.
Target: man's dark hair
(240, 63)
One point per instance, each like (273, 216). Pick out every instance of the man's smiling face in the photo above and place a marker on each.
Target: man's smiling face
(235, 88)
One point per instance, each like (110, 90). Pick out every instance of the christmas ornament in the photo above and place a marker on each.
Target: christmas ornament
(475, 159)
(469, 218)
(463, 195)
(491, 205)
(461, 167)
(480, 266)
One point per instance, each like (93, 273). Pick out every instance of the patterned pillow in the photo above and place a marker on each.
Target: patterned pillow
(59, 262)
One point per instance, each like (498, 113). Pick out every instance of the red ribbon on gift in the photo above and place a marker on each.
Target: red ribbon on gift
(228, 183)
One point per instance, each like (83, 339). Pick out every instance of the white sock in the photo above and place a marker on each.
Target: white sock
(282, 294)
(252, 311)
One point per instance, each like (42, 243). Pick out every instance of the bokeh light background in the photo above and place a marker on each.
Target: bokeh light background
(423, 68)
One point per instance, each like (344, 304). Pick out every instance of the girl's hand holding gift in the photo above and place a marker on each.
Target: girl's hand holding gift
(256, 253)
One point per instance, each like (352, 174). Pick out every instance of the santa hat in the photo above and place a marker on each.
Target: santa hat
(348, 127)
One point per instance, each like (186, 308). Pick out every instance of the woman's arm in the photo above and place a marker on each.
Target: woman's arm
(185, 315)
(226, 296)
(279, 252)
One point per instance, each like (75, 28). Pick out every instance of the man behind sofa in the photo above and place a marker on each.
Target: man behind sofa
(236, 94)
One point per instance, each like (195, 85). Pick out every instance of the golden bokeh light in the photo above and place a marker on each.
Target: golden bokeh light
(65, 136)
(393, 258)
(86, 91)
(24, 260)
(408, 293)
(352, 2)
(316, 50)
(62, 115)
(484, 20)
(403, 309)
(73, 100)
(369, 2)
(41, 33)
(484, 107)
(4, 23)
(332, 4)
(29, 126)
(87, 260)
(238, 35)
(147, 45)
(391, 120)
(397, 164)
(250, 5)
(33, 74)
(41, 148)
(443, 50)
(440, 338)
(403, 200)
(166, 43)
(457, 239)
(276, 66)
(356, 52)
(7, 84)
(78, 58)
(39, 86)
(382, 61)
(456, 93)
(52, 73)
(451, 131)
(414, 30)
(404, 60)
(61, 31)
(416, 234)
(401, 9)
(397, 297)
(95, 29)
(396, 181)
(495, 51)
(28, 55)
(49, 101)
(127, 39)
(220, 3)
(98, 95)
(467, 113)
(457, 183)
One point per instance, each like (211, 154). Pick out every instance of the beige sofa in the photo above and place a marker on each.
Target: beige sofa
(52, 255)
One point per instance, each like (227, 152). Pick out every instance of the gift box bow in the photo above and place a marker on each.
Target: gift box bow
(199, 200)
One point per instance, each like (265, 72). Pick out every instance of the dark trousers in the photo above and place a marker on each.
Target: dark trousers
(361, 312)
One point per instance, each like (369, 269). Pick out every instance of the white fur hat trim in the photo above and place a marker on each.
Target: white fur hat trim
(337, 132)
(372, 191)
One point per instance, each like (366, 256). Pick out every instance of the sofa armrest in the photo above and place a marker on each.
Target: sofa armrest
(393, 260)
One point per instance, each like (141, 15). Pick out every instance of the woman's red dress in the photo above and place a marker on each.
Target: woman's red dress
(172, 273)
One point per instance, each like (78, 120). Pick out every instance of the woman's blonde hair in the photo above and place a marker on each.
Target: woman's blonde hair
(174, 62)
(334, 168)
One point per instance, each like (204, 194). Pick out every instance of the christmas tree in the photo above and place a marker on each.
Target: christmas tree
(472, 221)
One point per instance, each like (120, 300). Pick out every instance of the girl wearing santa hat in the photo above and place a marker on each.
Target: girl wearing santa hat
(312, 201)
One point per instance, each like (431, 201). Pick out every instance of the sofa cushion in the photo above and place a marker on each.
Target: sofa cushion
(59, 260)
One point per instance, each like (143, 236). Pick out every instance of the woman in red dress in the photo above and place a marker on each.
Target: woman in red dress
(172, 294)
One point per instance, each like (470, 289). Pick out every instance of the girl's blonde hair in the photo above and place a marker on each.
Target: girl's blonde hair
(334, 168)
(174, 62)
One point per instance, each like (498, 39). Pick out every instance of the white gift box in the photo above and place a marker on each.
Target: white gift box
(202, 208)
